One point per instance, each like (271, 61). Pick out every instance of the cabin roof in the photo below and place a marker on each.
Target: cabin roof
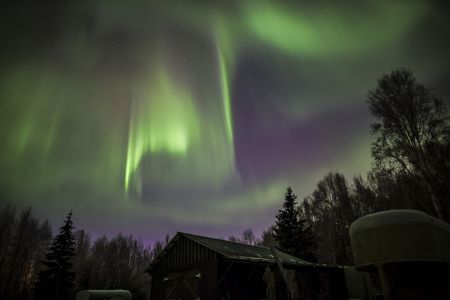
(235, 251)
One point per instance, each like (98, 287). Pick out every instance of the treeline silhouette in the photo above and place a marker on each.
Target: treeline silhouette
(103, 263)
(24, 240)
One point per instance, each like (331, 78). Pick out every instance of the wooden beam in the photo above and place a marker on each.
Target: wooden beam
(282, 271)
(225, 272)
(249, 276)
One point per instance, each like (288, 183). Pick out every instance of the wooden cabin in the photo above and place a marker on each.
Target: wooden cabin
(197, 267)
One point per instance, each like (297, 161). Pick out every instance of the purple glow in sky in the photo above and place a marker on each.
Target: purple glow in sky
(154, 117)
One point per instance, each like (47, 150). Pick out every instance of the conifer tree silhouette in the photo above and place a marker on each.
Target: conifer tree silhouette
(291, 232)
(55, 281)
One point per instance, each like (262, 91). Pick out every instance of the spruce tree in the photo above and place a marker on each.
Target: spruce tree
(55, 281)
(291, 232)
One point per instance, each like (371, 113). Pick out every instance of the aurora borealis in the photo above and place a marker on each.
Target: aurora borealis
(149, 117)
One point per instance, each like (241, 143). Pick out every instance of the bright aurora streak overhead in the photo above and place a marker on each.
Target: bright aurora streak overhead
(149, 117)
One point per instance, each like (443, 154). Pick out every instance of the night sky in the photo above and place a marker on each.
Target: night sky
(151, 117)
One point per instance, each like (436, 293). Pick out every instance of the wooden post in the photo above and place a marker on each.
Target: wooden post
(282, 272)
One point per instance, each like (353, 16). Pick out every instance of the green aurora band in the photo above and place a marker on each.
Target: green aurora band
(299, 32)
(166, 124)
(225, 88)
(163, 119)
(167, 120)
(111, 113)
